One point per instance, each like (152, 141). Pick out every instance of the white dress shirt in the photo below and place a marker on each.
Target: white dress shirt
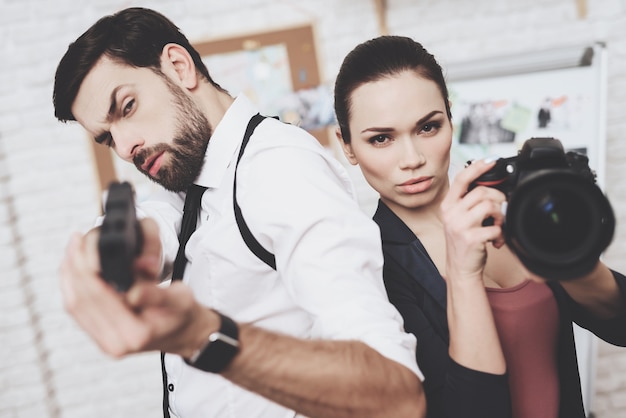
(299, 203)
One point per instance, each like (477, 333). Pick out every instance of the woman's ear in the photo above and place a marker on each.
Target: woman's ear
(346, 148)
(178, 65)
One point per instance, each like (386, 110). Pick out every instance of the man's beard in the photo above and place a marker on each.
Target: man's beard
(188, 148)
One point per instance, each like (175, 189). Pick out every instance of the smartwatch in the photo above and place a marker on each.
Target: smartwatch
(219, 350)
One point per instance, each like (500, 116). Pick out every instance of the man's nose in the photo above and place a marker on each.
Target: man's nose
(126, 143)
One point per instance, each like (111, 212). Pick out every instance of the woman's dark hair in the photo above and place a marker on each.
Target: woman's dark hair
(378, 58)
(134, 36)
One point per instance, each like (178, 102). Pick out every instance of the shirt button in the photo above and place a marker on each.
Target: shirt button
(170, 387)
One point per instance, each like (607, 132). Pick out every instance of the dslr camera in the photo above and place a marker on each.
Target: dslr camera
(557, 221)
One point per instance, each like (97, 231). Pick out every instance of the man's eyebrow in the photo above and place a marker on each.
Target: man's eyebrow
(113, 103)
(109, 116)
(102, 137)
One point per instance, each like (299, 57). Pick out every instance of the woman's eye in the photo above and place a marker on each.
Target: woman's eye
(378, 139)
(431, 126)
(128, 107)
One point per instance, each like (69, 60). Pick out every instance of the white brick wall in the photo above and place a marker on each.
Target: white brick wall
(48, 368)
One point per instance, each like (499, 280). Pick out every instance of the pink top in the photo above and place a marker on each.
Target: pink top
(527, 320)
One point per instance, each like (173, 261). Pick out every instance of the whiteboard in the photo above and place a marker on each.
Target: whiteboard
(494, 114)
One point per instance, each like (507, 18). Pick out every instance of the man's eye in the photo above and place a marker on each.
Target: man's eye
(129, 106)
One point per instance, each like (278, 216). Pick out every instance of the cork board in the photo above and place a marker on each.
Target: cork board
(301, 56)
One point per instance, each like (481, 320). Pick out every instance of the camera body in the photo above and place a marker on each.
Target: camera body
(558, 221)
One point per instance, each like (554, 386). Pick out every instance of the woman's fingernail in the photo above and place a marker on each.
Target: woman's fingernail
(503, 207)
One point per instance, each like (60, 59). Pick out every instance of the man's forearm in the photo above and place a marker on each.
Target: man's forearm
(325, 378)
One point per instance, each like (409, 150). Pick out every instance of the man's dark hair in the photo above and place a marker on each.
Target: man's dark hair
(134, 36)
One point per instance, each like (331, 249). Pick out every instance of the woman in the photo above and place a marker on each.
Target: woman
(493, 339)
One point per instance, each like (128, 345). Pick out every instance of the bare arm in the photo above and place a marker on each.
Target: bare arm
(474, 341)
(316, 378)
(321, 378)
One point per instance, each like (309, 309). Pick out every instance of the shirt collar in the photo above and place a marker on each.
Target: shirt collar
(225, 141)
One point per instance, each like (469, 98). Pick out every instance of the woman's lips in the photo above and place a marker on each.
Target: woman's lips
(418, 185)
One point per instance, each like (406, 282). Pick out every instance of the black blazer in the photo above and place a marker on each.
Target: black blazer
(418, 291)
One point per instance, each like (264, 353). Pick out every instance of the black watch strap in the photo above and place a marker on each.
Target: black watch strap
(219, 350)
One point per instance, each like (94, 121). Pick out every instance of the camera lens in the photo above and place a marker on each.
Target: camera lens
(557, 220)
(558, 224)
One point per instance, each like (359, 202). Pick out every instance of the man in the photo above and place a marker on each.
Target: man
(316, 335)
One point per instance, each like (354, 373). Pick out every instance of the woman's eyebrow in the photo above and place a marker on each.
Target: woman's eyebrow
(419, 122)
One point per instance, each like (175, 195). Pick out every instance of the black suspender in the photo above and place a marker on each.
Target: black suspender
(252, 243)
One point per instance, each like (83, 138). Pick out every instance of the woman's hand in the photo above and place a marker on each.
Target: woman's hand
(463, 214)
(474, 341)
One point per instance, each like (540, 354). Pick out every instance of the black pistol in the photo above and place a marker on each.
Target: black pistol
(120, 239)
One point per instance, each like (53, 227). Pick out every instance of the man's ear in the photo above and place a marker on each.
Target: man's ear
(178, 65)
(346, 148)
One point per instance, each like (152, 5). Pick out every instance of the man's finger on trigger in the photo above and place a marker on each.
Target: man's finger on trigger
(148, 267)
(143, 295)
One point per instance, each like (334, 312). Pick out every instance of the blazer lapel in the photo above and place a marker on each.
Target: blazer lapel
(400, 243)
